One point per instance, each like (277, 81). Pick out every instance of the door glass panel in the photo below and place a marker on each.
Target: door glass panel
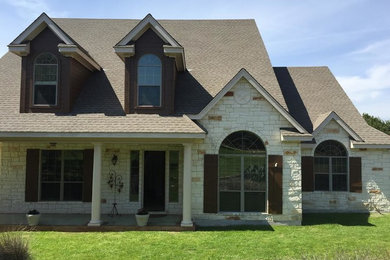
(134, 175)
(254, 173)
(254, 201)
(229, 173)
(321, 165)
(322, 182)
(229, 201)
(173, 176)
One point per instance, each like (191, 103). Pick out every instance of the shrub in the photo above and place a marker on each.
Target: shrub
(13, 246)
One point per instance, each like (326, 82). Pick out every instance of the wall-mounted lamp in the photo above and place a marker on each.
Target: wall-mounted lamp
(114, 159)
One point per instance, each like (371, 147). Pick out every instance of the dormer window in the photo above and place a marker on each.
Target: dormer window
(45, 79)
(149, 81)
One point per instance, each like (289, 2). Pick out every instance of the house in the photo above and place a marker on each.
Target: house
(192, 118)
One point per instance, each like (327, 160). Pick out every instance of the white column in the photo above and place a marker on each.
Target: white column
(187, 180)
(96, 186)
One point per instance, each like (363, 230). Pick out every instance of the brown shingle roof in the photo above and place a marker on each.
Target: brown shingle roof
(311, 93)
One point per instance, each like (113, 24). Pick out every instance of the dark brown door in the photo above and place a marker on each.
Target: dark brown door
(154, 181)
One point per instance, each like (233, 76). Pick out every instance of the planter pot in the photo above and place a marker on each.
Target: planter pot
(142, 220)
(33, 220)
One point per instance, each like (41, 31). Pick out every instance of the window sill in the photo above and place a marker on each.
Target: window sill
(62, 201)
(242, 214)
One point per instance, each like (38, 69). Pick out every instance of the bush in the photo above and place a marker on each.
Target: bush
(13, 246)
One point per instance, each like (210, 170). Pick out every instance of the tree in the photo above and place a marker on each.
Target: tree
(377, 123)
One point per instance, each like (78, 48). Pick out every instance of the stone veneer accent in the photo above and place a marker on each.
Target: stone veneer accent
(257, 116)
(372, 179)
(12, 179)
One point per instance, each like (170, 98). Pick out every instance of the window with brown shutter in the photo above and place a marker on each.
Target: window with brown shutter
(355, 174)
(32, 175)
(210, 183)
(275, 184)
(307, 173)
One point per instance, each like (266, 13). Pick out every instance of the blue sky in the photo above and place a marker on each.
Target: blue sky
(352, 37)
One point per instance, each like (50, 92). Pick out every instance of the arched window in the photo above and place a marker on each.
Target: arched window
(242, 173)
(331, 167)
(45, 79)
(149, 81)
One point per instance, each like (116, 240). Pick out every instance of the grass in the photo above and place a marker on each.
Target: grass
(337, 236)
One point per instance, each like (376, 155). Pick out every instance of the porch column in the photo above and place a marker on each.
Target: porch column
(187, 217)
(96, 186)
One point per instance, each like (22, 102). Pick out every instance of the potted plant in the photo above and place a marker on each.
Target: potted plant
(33, 217)
(142, 217)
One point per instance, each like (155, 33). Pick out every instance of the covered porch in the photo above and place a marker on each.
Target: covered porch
(79, 223)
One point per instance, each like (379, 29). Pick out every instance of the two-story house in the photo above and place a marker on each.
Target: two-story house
(190, 114)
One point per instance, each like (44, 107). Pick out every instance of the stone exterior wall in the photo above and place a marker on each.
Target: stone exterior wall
(375, 179)
(13, 172)
(260, 117)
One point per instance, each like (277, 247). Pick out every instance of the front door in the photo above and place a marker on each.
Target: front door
(154, 180)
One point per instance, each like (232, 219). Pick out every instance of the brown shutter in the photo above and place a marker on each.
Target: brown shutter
(355, 174)
(210, 183)
(307, 173)
(32, 175)
(88, 170)
(275, 184)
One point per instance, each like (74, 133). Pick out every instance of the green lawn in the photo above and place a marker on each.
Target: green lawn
(332, 236)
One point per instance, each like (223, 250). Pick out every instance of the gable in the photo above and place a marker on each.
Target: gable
(244, 74)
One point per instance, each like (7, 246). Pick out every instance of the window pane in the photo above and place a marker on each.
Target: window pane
(254, 173)
(149, 76)
(173, 176)
(321, 164)
(73, 165)
(149, 60)
(149, 95)
(242, 142)
(45, 73)
(73, 191)
(339, 182)
(45, 94)
(51, 165)
(322, 182)
(255, 201)
(330, 148)
(50, 191)
(229, 201)
(339, 165)
(229, 173)
(134, 175)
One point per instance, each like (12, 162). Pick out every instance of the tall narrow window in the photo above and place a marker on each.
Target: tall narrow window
(61, 175)
(134, 175)
(45, 79)
(330, 167)
(242, 173)
(149, 81)
(174, 176)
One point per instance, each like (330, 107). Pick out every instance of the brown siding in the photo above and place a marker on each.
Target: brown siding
(275, 184)
(355, 174)
(151, 43)
(210, 198)
(88, 172)
(307, 173)
(71, 76)
(32, 175)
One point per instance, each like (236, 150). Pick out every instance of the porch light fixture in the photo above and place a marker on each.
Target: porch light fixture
(114, 159)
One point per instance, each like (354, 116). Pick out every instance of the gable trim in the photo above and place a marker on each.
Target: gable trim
(341, 122)
(245, 74)
(142, 26)
(37, 26)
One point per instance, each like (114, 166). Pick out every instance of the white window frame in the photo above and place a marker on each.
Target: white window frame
(45, 82)
(160, 86)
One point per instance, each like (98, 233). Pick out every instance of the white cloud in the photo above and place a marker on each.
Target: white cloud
(370, 91)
